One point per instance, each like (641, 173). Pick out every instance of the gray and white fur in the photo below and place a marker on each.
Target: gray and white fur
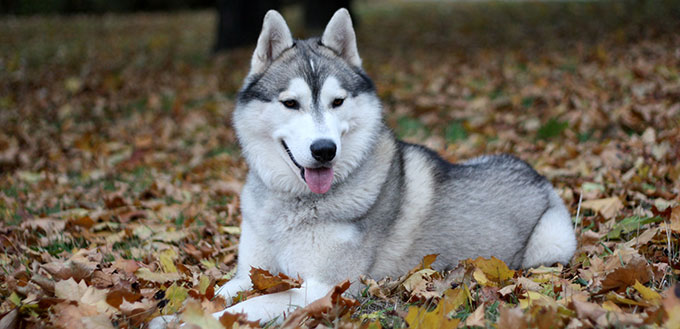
(389, 203)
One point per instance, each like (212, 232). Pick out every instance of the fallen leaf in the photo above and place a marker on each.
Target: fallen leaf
(512, 318)
(116, 297)
(495, 271)
(476, 318)
(327, 308)
(267, 283)
(647, 294)
(193, 314)
(146, 274)
(607, 207)
(175, 295)
(167, 258)
(671, 303)
(69, 316)
(419, 285)
(622, 278)
(84, 294)
(419, 317)
(239, 320)
(675, 219)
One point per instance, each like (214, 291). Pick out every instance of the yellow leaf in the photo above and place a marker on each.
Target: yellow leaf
(454, 298)
(167, 258)
(428, 260)
(622, 300)
(494, 269)
(233, 230)
(611, 306)
(194, 314)
(175, 296)
(536, 298)
(203, 284)
(146, 274)
(15, 299)
(418, 317)
(481, 278)
(647, 294)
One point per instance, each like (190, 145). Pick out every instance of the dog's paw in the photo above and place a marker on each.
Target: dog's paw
(255, 309)
(231, 289)
(164, 321)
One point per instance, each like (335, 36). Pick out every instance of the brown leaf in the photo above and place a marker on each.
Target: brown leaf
(327, 308)
(114, 201)
(622, 278)
(85, 222)
(671, 303)
(115, 297)
(228, 320)
(69, 316)
(127, 265)
(512, 318)
(675, 219)
(267, 283)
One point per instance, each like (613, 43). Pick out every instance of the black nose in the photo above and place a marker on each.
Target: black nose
(323, 150)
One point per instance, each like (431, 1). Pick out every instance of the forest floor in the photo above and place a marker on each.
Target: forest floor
(120, 171)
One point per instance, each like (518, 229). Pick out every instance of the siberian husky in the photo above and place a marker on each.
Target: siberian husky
(331, 194)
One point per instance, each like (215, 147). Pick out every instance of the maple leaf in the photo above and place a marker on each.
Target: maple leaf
(70, 316)
(83, 294)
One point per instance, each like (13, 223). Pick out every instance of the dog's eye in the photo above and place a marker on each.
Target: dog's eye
(291, 104)
(338, 101)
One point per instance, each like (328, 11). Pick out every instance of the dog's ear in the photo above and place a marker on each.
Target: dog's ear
(274, 39)
(339, 36)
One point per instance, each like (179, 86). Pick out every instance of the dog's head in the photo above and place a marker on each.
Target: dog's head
(307, 113)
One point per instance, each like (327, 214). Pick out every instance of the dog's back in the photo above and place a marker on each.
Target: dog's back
(488, 206)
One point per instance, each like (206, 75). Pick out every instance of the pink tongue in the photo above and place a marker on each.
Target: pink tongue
(319, 180)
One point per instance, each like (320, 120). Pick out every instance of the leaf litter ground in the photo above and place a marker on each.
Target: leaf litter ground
(120, 172)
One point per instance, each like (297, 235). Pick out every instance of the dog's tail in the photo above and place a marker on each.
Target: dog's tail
(553, 239)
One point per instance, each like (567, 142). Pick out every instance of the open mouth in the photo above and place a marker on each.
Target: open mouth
(318, 180)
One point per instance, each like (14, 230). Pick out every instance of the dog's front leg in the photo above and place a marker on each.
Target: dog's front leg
(274, 306)
(253, 251)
